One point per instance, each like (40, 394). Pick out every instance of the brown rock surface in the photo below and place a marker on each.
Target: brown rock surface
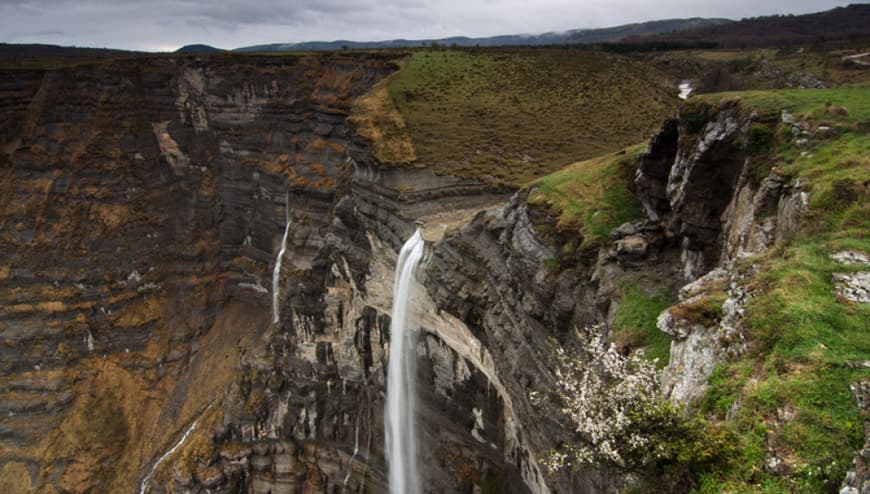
(142, 210)
(137, 199)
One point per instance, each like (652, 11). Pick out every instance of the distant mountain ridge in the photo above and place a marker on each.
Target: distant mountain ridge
(38, 50)
(198, 48)
(842, 23)
(850, 22)
(574, 36)
(616, 33)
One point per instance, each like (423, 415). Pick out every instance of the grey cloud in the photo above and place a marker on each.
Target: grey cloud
(166, 24)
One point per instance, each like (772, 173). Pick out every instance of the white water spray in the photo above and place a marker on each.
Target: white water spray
(401, 435)
(276, 272)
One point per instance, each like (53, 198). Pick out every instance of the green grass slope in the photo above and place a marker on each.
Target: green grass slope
(509, 116)
(784, 406)
(590, 197)
(789, 396)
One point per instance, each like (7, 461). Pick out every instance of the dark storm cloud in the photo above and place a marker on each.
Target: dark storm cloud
(165, 24)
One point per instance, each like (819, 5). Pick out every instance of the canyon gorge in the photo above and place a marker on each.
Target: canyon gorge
(200, 256)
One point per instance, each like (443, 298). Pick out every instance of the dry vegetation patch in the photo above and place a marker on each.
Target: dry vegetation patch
(378, 120)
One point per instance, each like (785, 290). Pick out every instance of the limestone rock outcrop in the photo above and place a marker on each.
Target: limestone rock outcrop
(697, 180)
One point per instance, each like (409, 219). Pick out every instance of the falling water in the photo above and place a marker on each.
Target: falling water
(167, 454)
(401, 437)
(355, 452)
(276, 272)
(686, 90)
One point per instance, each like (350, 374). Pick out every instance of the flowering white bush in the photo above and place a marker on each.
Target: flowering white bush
(614, 403)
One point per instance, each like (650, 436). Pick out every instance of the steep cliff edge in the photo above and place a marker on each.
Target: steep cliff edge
(140, 208)
(753, 201)
(158, 214)
(140, 352)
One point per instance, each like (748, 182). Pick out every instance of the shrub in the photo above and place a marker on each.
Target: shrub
(622, 421)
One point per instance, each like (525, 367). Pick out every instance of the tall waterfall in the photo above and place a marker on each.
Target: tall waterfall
(401, 435)
(276, 272)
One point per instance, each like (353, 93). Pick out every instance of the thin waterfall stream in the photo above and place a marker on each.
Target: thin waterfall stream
(401, 434)
(276, 272)
(144, 484)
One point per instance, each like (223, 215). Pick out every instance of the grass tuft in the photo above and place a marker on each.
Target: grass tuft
(635, 324)
(591, 197)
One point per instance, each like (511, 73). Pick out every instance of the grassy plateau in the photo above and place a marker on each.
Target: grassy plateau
(509, 116)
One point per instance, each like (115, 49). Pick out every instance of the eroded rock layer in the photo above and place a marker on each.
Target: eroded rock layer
(142, 203)
(146, 204)
(144, 208)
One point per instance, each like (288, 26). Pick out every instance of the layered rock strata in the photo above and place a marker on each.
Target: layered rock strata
(141, 201)
(144, 207)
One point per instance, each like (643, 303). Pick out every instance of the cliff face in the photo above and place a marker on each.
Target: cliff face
(522, 286)
(146, 203)
(699, 181)
(142, 208)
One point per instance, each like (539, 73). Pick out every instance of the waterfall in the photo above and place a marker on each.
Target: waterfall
(401, 436)
(147, 479)
(276, 272)
(686, 90)
(355, 452)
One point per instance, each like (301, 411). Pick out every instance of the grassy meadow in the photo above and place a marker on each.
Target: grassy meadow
(509, 116)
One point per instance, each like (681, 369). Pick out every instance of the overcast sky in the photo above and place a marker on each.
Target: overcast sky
(158, 25)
